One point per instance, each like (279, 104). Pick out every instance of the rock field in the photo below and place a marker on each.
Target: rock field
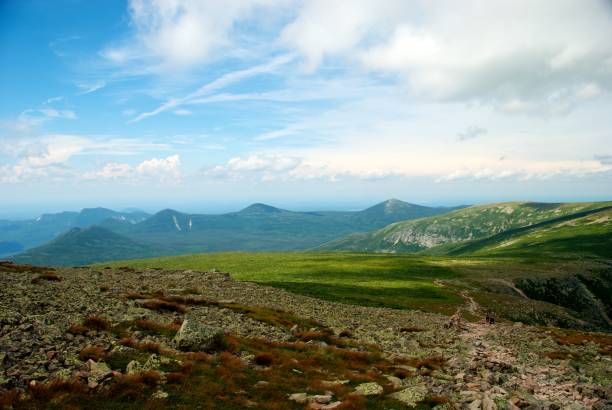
(76, 324)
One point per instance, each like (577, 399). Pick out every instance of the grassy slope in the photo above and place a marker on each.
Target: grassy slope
(399, 281)
(587, 234)
(465, 224)
(374, 280)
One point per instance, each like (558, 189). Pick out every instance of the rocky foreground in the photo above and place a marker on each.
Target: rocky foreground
(120, 338)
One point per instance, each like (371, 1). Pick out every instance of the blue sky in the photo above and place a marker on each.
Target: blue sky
(208, 106)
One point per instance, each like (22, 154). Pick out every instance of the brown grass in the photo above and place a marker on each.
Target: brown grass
(134, 296)
(104, 288)
(46, 277)
(175, 378)
(411, 329)
(95, 353)
(314, 336)
(346, 333)
(146, 346)
(76, 329)
(133, 387)
(162, 305)
(168, 330)
(9, 398)
(429, 363)
(263, 359)
(557, 355)
(97, 323)
(9, 266)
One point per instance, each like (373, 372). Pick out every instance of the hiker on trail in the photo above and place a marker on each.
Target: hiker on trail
(489, 319)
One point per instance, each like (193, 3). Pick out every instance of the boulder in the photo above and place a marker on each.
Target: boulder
(194, 335)
(410, 396)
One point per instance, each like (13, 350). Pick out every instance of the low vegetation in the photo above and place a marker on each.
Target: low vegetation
(427, 283)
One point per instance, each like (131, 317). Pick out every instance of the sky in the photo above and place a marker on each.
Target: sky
(211, 105)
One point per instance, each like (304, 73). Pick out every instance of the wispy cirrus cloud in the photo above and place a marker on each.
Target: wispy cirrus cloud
(90, 87)
(217, 84)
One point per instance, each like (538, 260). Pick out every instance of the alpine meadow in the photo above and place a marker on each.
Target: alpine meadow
(306, 204)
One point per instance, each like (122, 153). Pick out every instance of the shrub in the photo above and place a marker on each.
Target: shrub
(96, 323)
(346, 333)
(95, 353)
(411, 329)
(263, 359)
(557, 355)
(162, 305)
(150, 326)
(49, 277)
(146, 346)
(315, 336)
(175, 378)
(76, 329)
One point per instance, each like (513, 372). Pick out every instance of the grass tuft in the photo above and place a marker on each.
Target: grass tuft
(263, 359)
(97, 323)
(162, 305)
(95, 353)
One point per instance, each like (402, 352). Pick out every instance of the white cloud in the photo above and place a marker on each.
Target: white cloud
(112, 170)
(183, 33)
(513, 54)
(39, 159)
(278, 167)
(30, 119)
(541, 170)
(164, 170)
(182, 111)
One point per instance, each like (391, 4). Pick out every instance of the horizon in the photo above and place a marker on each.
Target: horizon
(232, 208)
(207, 107)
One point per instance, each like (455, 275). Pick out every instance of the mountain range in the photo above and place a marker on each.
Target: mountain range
(258, 227)
(15, 236)
(501, 228)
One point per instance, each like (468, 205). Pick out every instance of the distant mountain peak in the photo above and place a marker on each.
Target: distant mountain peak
(168, 211)
(259, 208)
(390, 206)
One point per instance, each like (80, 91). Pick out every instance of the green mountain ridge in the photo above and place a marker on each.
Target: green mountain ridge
(26, 234)
(463, 225)
(83, 246)
(586, 233)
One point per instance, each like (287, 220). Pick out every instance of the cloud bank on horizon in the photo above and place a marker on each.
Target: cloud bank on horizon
(287, 97)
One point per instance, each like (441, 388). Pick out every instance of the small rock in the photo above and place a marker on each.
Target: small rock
(369, 389)
(133, 367)
(98, 371)
(396, 382)
(322, 398)
(261, 383)
(410, 396)
(197, 336)
(159, 394)
(300, 398)
(475, 405)
(332, 406)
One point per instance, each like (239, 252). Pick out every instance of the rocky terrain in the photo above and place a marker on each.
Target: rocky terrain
(125, 338)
